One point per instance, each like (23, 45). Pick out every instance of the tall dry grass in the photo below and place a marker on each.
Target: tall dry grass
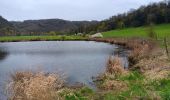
(114, 69)
(114, 66)
(34, 86)
(138, 46)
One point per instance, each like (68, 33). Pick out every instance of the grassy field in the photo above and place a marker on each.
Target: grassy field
(39, 38)
(161, 31)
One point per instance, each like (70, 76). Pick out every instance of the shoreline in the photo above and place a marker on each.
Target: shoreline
(40, 38)
(146, 69)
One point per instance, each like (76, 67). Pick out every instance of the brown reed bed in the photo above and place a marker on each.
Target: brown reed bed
(114, 69)
(28, 85)
(114, 66)
(140, 48)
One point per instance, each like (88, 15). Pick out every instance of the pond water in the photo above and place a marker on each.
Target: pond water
(78, 60)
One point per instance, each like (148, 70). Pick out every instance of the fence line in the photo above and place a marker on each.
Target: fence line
(166, 46)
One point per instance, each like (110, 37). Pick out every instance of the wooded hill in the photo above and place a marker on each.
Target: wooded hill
(155, 13)
(5, 27)
(52, 25)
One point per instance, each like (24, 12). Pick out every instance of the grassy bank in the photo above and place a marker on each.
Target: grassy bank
(161, 31)
(148, 75)
(39, 38)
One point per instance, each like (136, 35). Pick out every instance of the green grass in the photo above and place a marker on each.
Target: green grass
(39, 38)
(163, 88)
(83, 93)
(161, 31)
(140, 88)
(136, 87)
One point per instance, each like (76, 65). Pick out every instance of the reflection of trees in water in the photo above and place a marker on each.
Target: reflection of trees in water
(3, 54)
(121, 52)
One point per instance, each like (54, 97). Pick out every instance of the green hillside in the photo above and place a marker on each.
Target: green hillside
(161, 31)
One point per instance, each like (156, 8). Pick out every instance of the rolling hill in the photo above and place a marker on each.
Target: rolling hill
(5, 26)
(47, 25)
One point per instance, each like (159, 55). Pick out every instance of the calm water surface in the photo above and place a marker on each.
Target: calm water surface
(78, 60)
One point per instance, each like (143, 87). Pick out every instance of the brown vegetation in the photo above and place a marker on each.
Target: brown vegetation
(114, 66)
(115, 85)
(114, 69)
(34, 86)
(140, 48)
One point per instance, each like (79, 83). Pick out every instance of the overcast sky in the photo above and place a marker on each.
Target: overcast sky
(19, 10)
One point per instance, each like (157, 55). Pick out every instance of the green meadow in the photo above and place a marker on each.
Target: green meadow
(39, 38)
(161, 31)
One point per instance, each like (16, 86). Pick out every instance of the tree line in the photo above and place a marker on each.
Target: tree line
(155, 13)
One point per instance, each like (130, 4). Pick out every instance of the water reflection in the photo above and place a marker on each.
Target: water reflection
(3, 54)
(122, 53)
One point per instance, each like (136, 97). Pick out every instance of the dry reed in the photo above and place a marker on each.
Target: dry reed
(114, 66)
(34, 86)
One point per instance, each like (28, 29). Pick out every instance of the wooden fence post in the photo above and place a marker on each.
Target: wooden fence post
(166, 47)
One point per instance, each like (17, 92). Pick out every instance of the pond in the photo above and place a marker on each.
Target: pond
(78, 60)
